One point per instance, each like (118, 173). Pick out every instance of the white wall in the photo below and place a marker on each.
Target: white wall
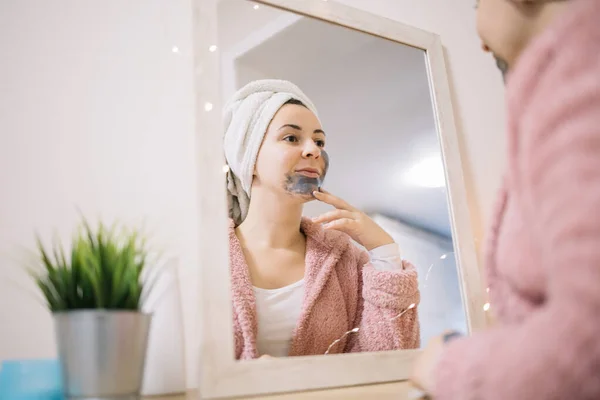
(96, 111)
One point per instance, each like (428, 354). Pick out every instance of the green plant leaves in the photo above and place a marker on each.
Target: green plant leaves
(104, 271)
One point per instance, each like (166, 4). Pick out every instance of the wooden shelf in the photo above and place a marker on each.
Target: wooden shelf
(395, 390)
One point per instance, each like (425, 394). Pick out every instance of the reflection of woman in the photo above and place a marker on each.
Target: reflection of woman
(297, 285)
(543, 253)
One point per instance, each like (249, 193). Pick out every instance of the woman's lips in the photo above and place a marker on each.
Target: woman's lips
(308, 173)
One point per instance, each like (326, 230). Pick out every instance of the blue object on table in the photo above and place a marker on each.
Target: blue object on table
(31, 380)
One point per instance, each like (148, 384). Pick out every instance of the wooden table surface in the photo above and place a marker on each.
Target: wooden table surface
(395, 390)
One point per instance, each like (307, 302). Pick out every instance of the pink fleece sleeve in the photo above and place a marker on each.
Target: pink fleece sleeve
(555, 353)
(385, 295)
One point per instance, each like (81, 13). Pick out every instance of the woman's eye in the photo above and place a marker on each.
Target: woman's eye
(291, 139)
(320, 143)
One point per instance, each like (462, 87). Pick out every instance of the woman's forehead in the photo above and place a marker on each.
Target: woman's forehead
(292, 114)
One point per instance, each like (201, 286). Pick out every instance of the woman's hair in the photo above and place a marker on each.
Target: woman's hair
(295, 102)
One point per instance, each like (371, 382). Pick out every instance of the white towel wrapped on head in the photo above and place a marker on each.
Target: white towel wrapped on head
(246, 116)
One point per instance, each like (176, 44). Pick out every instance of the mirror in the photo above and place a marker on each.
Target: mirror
(378, 91)
(361, 128)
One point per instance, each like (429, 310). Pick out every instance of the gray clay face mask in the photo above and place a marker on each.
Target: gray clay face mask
(304, 185)
(502, 66)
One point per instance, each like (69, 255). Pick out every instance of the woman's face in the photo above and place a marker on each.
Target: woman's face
(292, 158)
(505, 27)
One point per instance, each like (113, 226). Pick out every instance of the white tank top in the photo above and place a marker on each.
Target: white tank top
(278, 311)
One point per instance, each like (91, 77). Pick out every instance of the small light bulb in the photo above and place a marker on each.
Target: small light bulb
(175, 49)
(225, 168)
(208, 106)
(256, 7)
(212, 48)
(443, 257)
(486, 306)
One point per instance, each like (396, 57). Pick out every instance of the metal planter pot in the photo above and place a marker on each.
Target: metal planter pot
(102, 353)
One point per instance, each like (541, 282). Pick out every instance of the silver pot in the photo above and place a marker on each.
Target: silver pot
(102, 353)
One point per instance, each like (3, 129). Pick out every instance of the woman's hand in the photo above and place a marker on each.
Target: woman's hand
(355, 223)
(423, 374)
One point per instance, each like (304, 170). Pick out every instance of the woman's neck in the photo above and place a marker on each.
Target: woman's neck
(272, 221)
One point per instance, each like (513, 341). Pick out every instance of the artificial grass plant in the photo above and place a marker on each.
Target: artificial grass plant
(104, 270)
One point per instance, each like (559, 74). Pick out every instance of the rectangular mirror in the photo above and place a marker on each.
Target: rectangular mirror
(305, 290)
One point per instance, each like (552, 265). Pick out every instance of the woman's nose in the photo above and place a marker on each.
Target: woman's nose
(311, 150)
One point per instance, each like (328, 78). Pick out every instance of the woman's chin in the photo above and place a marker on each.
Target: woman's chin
(303, 193)
(302, 187)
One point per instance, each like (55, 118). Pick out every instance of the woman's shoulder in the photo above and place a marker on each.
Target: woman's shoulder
(566, 51)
